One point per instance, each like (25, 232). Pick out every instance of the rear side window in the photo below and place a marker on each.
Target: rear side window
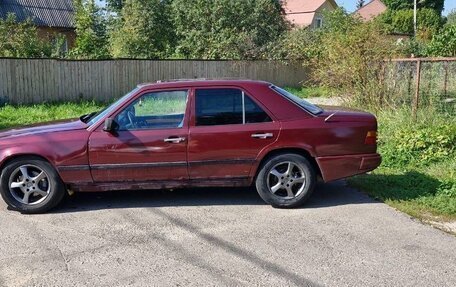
(227, 107)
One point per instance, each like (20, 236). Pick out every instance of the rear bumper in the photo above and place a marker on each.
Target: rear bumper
(337, 167)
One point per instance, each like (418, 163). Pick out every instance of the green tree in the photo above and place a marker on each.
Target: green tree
(91, 33)
(226, 29)
(443, 44)
(115, 5)
(299, 44)
(20, 39)
(144, 30)
(436, 5)
(401, 21)
(451, 18)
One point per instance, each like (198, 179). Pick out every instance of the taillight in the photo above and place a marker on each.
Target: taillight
(371, 138)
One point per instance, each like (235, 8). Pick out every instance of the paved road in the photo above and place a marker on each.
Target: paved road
(222, 237)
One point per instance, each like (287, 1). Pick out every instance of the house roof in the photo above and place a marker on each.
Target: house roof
(304, 6)
(302, 12)
(371, 10)
(44, 13)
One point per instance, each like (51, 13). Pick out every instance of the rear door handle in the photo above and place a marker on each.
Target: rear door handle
(174, 140)
(263, 136)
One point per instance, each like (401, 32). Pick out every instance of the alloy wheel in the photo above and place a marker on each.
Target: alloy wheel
(286, 180)
(29, 184)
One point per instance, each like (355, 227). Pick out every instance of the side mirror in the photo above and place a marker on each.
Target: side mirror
(109, 125)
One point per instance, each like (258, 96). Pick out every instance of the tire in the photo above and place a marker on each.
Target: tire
(40, 190)
(286, 180)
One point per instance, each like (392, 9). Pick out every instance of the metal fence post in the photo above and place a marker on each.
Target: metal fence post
(417, 92)
(445, 83)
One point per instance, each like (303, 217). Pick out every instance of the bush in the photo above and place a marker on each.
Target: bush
(418, 172)
(351, 59)
(436, 5)
(226, 29)
(299, 44)
(403, 142)
(401, 21)
(20, 40)
(443, 44)
(418, 145)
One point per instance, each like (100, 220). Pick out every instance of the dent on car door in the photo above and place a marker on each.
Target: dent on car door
(228, 132)
(150, 142)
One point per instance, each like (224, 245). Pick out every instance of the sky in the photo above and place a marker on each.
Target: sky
(350, 5)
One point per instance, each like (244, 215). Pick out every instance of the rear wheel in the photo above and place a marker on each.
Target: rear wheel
(286, 180)
(31, 185)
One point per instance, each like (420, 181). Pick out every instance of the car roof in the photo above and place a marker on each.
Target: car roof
(202, 82)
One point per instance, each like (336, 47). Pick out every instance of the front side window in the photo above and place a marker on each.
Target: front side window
(227, 106)
(158, 110)
(99, 115)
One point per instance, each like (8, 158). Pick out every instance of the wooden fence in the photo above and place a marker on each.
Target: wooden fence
(27, 81)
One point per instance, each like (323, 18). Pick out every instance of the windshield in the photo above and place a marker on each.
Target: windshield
(311, 108)
(95, 117)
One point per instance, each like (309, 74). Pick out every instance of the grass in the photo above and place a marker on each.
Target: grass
(419, 192)
(418, 173)
(13, 116)
(171, 103)
(309, 92)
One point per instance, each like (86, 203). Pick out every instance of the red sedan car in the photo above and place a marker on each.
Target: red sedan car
(189, 134)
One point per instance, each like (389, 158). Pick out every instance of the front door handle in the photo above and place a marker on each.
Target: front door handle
(174, 140)
(263, 136)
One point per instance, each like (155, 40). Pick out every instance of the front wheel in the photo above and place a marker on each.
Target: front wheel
(286, 180)
(31, 185)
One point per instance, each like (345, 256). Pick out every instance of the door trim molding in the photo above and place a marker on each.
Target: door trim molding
(138, 165)
(223, 161)
(154, 164)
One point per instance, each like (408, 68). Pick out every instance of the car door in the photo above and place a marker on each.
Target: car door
(228, 130)
(149, 143)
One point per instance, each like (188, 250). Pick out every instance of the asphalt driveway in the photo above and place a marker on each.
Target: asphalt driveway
(222, 237)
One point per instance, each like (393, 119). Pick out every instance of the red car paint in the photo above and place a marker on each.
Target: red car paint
(88, 158)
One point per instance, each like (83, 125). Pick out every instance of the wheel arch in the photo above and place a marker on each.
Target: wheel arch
(275, 152)
(14, 157)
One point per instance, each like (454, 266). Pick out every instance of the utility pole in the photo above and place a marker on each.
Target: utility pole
(414, 17)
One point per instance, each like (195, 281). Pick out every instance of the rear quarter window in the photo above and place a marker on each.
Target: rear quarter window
(311, 108)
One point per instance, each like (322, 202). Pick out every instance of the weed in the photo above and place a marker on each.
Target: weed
(418, 173)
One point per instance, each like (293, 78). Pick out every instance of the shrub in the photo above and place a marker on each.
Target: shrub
(436, 5)
(296, 44)
(226, 29)
(404, 143)
(401, 21)
(443, 44)
(21, 40)
(351, 59)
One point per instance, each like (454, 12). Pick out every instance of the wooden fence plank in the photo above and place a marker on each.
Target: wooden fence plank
(28, 81)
